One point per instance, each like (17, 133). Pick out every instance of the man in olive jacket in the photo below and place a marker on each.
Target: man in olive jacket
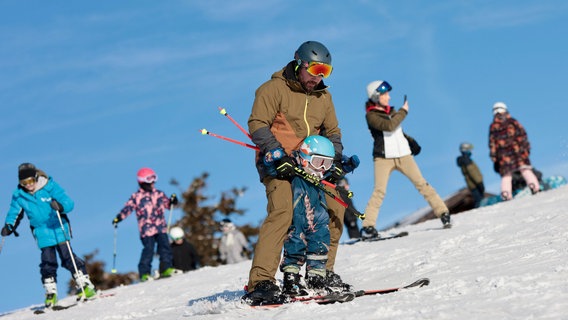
(290, 106)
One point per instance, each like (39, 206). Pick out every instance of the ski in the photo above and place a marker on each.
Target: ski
(319, 299)
(43, 309)
(393, 236)
(344, 296)
(418, 283)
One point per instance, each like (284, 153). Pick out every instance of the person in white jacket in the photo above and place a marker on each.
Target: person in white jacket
(233, 243)
(393, 150)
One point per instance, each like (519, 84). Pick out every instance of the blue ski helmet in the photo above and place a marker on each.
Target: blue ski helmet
(316, 145)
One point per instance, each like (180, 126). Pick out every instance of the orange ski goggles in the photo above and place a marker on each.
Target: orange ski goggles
(319, 69)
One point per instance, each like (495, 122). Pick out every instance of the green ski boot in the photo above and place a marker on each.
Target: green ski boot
(167, 273)
(50, 300)
(50, 292)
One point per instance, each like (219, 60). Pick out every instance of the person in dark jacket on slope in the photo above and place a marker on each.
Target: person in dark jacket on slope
(471, 173)
(185, 258)
(350, 219)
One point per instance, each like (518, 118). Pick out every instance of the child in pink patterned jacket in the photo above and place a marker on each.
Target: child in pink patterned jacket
(150, 205)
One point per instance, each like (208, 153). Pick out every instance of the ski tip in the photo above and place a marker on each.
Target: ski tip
(422, 282)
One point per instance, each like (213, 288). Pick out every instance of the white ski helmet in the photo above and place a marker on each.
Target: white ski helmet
(466, 146)
(499, 107)
(377, 87)
(176, 233)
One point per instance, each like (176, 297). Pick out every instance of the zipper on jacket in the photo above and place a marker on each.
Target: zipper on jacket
(305, 115)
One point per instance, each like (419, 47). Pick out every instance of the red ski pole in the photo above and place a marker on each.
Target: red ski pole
(205, 132)
(223, 111)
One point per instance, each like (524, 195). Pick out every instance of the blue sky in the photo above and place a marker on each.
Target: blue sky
(92, 91)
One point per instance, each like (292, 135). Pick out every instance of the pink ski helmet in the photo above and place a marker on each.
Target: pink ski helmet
(147, 175)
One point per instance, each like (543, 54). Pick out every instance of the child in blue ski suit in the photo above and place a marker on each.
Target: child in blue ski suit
(41, 198)
(308, 237)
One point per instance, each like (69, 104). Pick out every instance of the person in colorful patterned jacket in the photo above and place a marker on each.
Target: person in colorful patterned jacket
(150, 205)
(509, 149)
(46, 205)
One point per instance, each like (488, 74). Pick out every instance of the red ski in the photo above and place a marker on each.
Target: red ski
(345, 296)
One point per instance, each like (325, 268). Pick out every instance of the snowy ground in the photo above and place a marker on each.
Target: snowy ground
(507, 261)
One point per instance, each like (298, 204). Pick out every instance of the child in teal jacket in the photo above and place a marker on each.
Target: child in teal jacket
(42, 200)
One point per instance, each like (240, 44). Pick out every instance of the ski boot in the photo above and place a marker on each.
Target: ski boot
(534, 189)
(335, 284)
(292, 286)
(446, 220)
(168, 273)
(87, 291)
(317, 284)
(265, 292)
(369, 233)
(50, 292)
(146, 277)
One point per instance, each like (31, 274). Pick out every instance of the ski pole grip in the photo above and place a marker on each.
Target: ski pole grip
(355, 212)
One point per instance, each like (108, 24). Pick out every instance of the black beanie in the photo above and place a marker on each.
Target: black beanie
(26, 170)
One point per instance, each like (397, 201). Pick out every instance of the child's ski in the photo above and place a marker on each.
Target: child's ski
(43, 309)
(345, 296)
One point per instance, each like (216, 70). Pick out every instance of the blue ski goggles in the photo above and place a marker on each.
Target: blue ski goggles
(384, 87)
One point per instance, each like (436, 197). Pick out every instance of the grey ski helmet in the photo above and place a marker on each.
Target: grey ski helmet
(312, 51)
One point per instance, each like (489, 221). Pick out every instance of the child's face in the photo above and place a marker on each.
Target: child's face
(29, 184)
(309, 168)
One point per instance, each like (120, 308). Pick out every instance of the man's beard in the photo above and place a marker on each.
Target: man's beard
(309, 86)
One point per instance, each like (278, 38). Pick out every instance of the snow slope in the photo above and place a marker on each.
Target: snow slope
(507, 261)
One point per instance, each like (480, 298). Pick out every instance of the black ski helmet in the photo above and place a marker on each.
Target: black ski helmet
(312, 51)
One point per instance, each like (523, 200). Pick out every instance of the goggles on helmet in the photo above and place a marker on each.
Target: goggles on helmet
(319, 69)
(384, 87)
(318, 162)
(27, 181)
(148, 179)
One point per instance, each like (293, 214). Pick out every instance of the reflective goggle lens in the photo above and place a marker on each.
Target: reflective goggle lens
(27, 181)
(319, 69)
(150, 179)
(384, 87)
(319, 162)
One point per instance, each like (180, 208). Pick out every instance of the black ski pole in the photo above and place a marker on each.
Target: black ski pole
(2, 244)
(113, 270)
(317, 182)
